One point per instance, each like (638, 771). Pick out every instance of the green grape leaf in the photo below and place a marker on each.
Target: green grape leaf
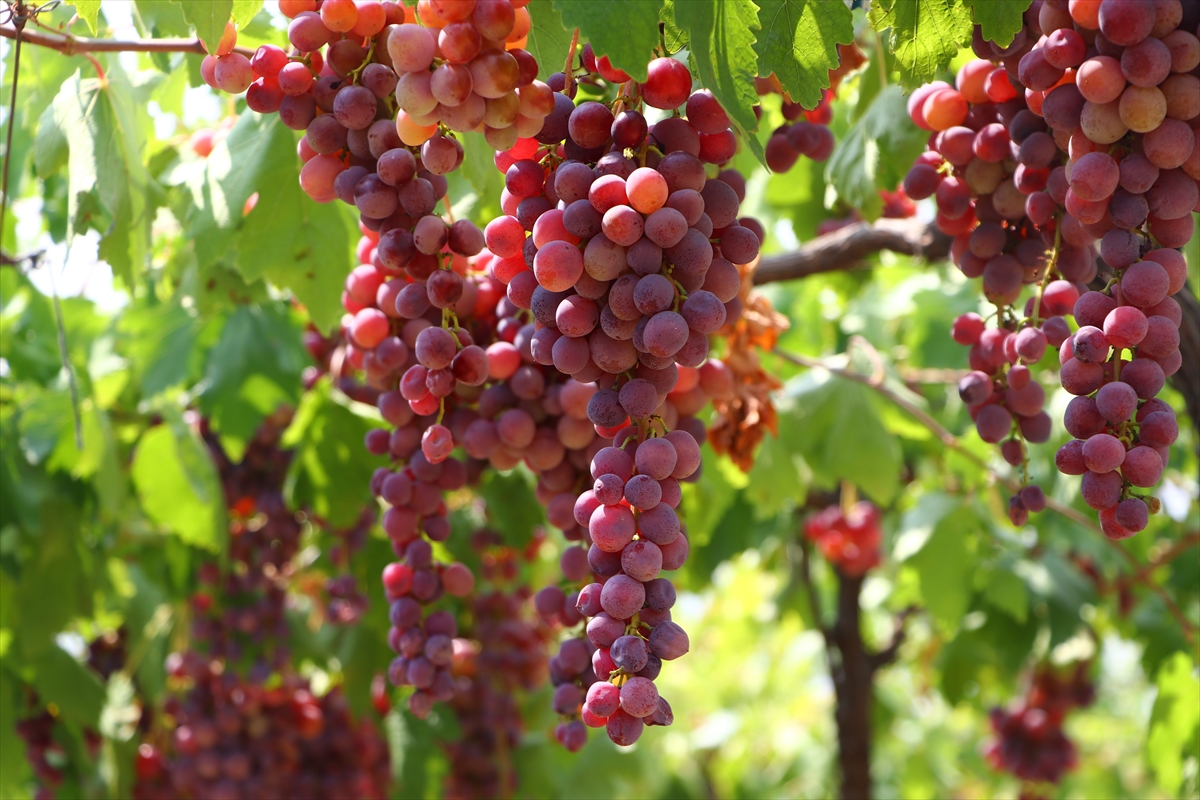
(479, 169)
(254, 367)
(721, 38)
(12, 747)
(291, 241)
(624, 30)
(208, 17)
(999, 20)
(236, 168)
(839, 433)
(1174, 722)
(178, 485)
(160, 343)
(926, 34)
(875, 153)
(148, 617)
(245, 10)
(102, 125)
(1006, 591)
(71, 686)
(511, 505)
(675, 38)
(777, 480)
(59, 562)
(330, 472)
(549, 40)
(706, 500)
(799, 42)
(89, 12)
(945, 565)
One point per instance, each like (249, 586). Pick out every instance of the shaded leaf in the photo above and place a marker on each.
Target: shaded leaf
(875, 153)
(71, 686)
(512, 507)
(1007, 592)
(776, 483)
(330, 472)
(799, 42)
(624, 30)
(675, 38)
(839, 433)
(479, 169)
(945, 565)
(161, 339)
(59, 563)
(706, 500)
(254, 367)
(721, 38)
(178, 485)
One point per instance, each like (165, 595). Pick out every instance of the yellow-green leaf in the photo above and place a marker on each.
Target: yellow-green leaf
(799, 42)
(925, 34)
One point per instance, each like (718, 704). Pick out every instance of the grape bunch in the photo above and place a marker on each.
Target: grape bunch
(607, 240)
(51, 763)
(848, 539)
(346, 602)
(982, 189)
(1123, 433)
(1031, 744)
(464, 356)
(249, 737)
(809, 137)
(506, 654)
(1096, 109)
(1133, 183)
(360, 144)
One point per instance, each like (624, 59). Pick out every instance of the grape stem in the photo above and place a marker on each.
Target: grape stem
(849, 496)
(1051, 266)
(356, 73)
(950, 441)
(567, 71)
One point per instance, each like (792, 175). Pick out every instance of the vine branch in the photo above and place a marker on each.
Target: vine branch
(845, 249)
(848, 249)
(75, 45)
(950, 441)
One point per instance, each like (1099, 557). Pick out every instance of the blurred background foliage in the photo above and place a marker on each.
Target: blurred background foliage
(172, 303)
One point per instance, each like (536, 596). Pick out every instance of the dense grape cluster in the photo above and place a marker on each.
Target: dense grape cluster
(513, 355)
(462, 65)
(45, 754)
(849, 539)
(1031, 744)
(577, 324)
(1078, 137)
(607, 240)
(506, 654)
(262, 733)
(240, 612)
(237, 737)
